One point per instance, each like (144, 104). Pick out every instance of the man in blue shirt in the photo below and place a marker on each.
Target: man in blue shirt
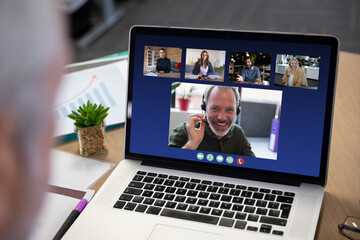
(250, 73)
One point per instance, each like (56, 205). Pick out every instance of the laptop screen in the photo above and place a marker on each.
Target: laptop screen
(242, 100)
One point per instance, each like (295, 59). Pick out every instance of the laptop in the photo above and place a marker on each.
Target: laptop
(227, 137)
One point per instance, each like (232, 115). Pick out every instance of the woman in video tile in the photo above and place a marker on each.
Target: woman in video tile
(203, 66)
(293, 74)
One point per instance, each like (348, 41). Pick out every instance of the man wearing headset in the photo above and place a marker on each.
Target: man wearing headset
(215, 131)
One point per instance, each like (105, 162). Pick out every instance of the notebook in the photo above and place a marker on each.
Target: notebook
(242, 154)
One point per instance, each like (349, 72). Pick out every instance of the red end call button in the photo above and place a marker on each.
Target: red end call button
(240, 161)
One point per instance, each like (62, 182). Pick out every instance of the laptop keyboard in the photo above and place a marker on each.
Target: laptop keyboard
(217, 203)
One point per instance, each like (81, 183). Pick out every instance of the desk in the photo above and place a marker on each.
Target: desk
(342, 193)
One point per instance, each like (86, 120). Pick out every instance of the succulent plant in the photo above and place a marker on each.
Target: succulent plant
(89, 115)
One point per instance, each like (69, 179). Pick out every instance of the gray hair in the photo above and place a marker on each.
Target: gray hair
(209, 89)
(32, 44)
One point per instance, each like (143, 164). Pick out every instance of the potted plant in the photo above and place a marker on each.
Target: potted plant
(90, 127)
(184, 99)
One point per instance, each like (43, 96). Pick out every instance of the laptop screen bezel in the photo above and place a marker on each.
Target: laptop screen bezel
(263, 175)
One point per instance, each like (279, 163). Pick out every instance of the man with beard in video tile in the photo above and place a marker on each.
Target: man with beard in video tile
(215, 130)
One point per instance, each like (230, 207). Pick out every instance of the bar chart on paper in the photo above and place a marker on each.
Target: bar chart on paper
(106, 85)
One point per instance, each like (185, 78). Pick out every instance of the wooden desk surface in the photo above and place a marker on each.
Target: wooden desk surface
(342, 193)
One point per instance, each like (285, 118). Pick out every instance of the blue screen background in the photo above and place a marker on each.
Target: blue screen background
(302, 110)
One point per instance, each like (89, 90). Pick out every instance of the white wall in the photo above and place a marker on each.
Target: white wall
(217, 58)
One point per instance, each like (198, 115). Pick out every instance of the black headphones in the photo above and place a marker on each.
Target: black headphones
(203, 106)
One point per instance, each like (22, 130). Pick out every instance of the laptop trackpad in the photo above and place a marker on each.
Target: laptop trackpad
(165, 232)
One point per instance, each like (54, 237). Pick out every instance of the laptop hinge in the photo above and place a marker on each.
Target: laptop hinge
(200, 168)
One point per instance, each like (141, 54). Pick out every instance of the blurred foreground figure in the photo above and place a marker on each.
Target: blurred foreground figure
(32, 54)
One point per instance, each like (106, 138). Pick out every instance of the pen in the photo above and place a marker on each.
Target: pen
(71, 219)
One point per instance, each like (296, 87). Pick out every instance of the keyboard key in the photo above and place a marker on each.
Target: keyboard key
(246, 194)
(190, 185)
(195, 180)
(277, 192)
(276, 232)
(203, 195)
(229, 185)
(226, 222)
(202, 202)
(137, 199)
(149, 186)
(182, 206)
(158, 181)
(257, 195)
(201, 187)
(264, 190)
(254, 189)
(141, 173)
(180, 199)
(158, 195)
(141, 208)
(265, 228)
(185, 179)
(234, 192)
(159, 203)
(219, 184)
(135, 184)
(212, 189)
(261, 203)
(253, 218)
(125, 197)
(225, 205)
(261, 211)
(190, 216)
(214, 204)
(285, 210)
(159, 188)
(240, 224)
(148, 201)
(216, 212)
(119, 204)
(205, 210)
(170, 189)
(192, 193)
(169, 197)
(206, 182)
(193, 208)
(284, 199)
(228, 214)
(269, 197)
(133, 191)
(223, 190)
(226, 198)
(170, 204)
(249, 201)
(237, 207)
(249, 209)
(147, 193)
(191, 200)
(289, 194)
(173, 177)
(273, 205)
(148, 179)
(214, 196)
(153, 210)
(274, 213)
(238, 200)
(138, 178)
(241, 187)
(152, 174)
(274, 221)
(241, 216)
(179, 184)
(251, 228)
(130, 206)
(162, 176)
(169, 182)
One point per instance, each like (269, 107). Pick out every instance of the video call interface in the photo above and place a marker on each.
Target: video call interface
(249, 104)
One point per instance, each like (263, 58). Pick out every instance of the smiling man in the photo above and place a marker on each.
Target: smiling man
(215, 131)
